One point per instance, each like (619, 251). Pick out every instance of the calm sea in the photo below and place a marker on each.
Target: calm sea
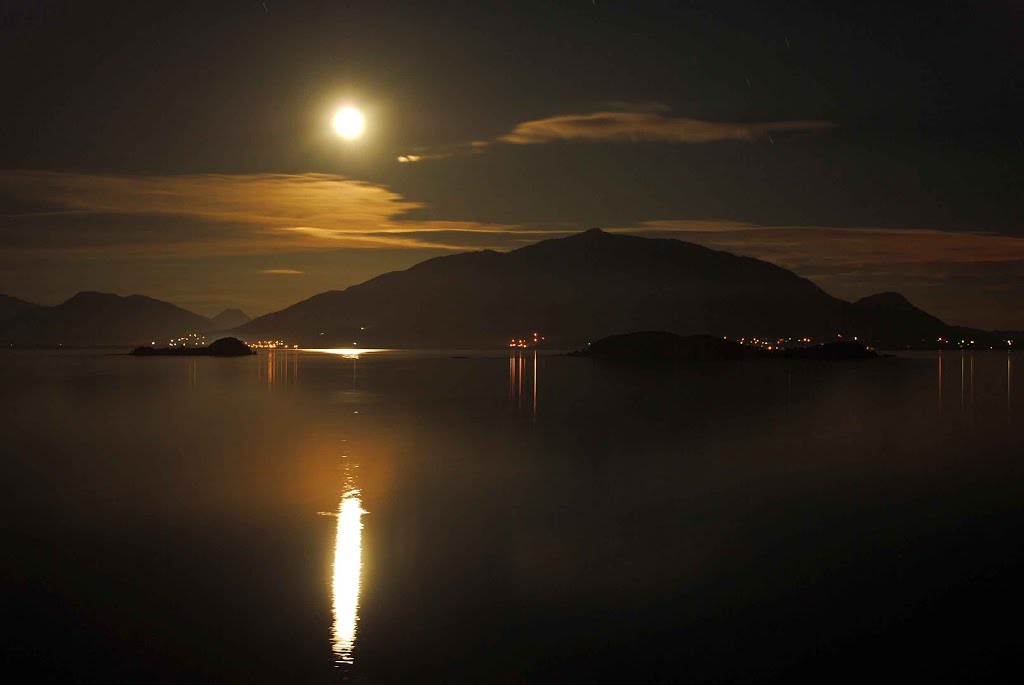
(307, 517)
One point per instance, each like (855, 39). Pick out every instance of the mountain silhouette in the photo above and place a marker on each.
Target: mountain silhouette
(92, 318)
(593, 284)
(890, 318)
(12, 306)
(228, 319)
(573, 290)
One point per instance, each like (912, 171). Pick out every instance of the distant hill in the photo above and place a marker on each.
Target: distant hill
(12, 306)
(228, 319)
(572, 290)
(91, 318)
(890, 317)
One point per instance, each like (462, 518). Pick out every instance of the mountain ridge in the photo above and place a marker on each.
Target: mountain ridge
(229, 319)
(572, 290)
(583, 286)
(91, 318)
(12, 306)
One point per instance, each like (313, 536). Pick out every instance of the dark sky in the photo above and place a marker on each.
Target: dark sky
(185, 150)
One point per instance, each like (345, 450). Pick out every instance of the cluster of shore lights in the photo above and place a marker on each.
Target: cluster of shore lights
(271, 345)
(965, 344)
(525, 342)
(776, 344)
(190, 340)
(782, 343)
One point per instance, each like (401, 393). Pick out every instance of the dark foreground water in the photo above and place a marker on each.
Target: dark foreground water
(307, 517)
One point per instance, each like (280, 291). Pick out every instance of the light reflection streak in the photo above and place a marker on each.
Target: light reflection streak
(351, 352)
(518, 368)
(962, 390)
(972, 379)
(280, 366)
(972, 403)
(348, 566)
(519, 373)
(535, 384)
(512, 378)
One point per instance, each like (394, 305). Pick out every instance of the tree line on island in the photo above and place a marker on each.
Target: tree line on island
(576, 290)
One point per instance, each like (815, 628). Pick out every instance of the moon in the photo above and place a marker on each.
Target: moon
(349, 123)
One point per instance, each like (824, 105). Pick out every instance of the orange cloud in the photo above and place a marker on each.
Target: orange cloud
(640, 123)
(282, 272)
(242, 213)
(264, 199)
(647, 127)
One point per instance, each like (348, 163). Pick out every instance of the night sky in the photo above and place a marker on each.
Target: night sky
(185, 150)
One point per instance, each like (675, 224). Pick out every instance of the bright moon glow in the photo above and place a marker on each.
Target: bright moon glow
(349, 123)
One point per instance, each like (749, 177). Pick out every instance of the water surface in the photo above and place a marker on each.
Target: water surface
(417, 517)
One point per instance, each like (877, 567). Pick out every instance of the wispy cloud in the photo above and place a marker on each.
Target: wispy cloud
(647, 127)
(421, 154)
(627, 123)
(263, 199)
(242, 213)
(282, 272)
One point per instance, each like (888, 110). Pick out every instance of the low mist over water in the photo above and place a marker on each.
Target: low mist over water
(309, 517)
